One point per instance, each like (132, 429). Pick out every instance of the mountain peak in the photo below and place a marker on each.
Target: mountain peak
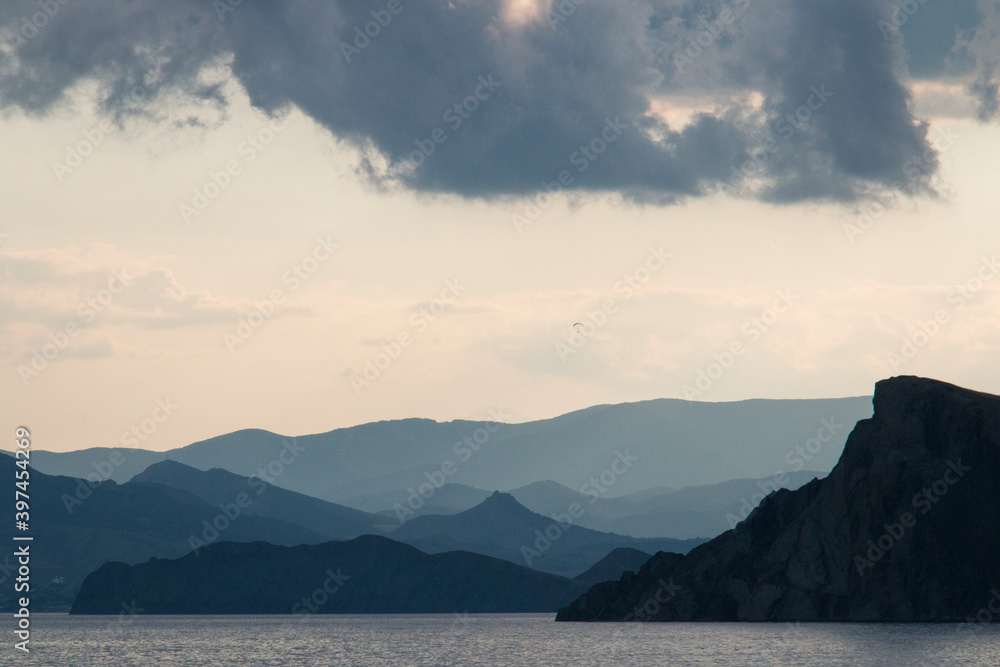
(500, 499)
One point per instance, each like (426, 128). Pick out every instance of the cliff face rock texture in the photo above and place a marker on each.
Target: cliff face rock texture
(905, 528)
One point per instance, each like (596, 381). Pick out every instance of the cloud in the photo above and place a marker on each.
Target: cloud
(984, 46)
(930, 31)
(493, 98)
(44, 290)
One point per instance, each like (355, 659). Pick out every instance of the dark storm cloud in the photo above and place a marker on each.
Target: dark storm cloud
(447, 97)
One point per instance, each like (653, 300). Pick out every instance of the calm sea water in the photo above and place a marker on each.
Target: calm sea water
(59, 640)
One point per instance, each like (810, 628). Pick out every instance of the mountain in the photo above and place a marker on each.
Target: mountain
(904, 529)
(548, 497)
(367, 575)
(448, 499)
(613, 565)
(219, 487)
(691, 512)
(117, 464)
(78, 526)
(638, 496)
(667, 441)
(503, 528)
(700, 511)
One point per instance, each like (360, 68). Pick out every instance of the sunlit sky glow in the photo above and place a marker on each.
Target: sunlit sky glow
(513, 291)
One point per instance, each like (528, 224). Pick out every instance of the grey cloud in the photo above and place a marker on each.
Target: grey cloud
(983, 45)
(930, 31)
(552, 90)
(101, 293)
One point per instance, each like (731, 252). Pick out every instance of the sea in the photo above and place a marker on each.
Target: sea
(60, 640)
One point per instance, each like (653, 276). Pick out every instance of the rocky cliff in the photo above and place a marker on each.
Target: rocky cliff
(905, 528)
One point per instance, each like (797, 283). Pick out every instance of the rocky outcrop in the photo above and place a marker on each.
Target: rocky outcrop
(905, 528)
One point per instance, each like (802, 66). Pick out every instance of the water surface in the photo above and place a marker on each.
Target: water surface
(59, 640)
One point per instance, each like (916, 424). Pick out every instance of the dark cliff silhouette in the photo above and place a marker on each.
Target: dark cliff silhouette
(903, 529)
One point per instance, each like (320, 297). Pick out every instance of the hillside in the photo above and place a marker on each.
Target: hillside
(219, 487)
(367, 575)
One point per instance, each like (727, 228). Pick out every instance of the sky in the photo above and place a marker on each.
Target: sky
(306, 215)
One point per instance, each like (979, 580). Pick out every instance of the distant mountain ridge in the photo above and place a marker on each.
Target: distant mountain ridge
(685, 513)
(257, 497)
(677, 443)
(78, 525)
(503, 528)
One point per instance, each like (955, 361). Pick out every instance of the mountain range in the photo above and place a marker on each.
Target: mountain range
(220, 487)
(691, 512)
(79, 525)
(170, 510)
(686, 513)
(902, 529)
(503, 528)
(668, 442)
